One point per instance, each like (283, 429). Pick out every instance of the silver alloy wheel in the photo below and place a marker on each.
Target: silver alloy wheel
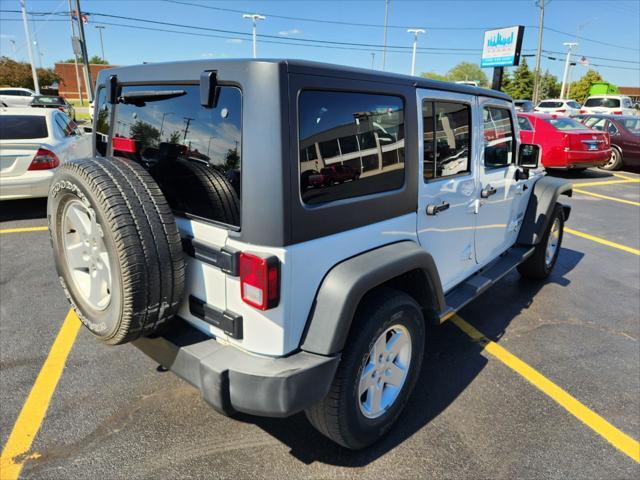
(552, 242)
(385, 372)
(86, 254)
(613, 159)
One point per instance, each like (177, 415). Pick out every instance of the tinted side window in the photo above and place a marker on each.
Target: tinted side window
(62, 125)
(452, 139)
(498, 137)
(524, 124)
(103, 122)
(360, 145)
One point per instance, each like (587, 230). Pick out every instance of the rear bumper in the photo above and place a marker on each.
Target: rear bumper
(583, 159)
(235, 381)
(33, 184)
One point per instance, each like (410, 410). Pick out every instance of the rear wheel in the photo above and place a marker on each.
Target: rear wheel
(116, 247)
(615, 162)
(541, 262)
(380, 364)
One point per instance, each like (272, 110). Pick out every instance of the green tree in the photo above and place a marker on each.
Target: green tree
(549, 86)
(434, 76)
(579, 89)
(520, 85)
(232, 159)
(467, 71)
(145, 133)
(18, 74)
(175, 137)
(96, 60)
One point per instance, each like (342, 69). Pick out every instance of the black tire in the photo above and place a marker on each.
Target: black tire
(140, 236)
(192, 186)
(615, 162)
(536, 266)
(338, 416)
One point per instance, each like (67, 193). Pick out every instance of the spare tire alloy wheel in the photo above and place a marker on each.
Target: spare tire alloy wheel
(116, 246)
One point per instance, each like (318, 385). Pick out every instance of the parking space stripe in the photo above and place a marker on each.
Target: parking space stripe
(624, 176)
(24, 230)
(602, 241)
(34, 409)
(615, 437)
(605, 182)
(606, 197)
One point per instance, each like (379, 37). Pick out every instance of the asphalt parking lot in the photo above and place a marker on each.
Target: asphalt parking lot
(516, 403)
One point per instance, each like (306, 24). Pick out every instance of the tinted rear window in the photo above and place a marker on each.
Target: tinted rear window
(22, 127)
(603, 102)
(50, 100)
(550, 104)
(192, 151)
(359, 139)
(566, 124)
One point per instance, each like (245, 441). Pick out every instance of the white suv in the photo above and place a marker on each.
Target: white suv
(608, 105)
(558, 107)
(280, 233)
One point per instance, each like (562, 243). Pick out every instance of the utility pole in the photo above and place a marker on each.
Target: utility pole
(85, 55)
(15, 50)
(570, 46)
(36, 85)
(373, 59)
(100, 29)
(75, 56)
(254, 17)
(536, 83)
(188, 121)
(384, 47)
(416, 32)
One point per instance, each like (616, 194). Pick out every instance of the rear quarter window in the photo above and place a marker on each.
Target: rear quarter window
(22, 127)
(358, 145)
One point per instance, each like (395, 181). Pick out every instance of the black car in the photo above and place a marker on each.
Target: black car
(523, 105)
(51, 101)
(624, 132)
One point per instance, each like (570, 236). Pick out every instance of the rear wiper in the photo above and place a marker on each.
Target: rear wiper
(139, 98)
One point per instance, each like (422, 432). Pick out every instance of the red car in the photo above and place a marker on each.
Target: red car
(565, 142)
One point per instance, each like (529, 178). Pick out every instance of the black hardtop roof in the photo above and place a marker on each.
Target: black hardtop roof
(310, 68)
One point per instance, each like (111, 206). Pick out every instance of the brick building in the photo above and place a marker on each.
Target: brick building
(68, 87)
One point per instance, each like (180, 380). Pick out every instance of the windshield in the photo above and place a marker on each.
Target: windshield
(22, 127)
(566, 124)
(603, 102)
(549, 104)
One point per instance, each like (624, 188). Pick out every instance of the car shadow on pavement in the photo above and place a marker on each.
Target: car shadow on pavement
(590, 173)
(452, 362)
(31, 209)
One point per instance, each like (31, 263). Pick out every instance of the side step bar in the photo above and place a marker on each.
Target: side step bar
(484, 279)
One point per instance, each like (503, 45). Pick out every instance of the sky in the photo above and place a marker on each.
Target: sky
(611, 31)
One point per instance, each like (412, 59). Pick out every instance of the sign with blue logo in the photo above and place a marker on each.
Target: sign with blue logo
(502, 47)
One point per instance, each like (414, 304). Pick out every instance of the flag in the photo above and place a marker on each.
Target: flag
(85, 18)
(584, 62)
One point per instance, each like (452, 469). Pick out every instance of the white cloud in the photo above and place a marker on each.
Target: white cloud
(234, 40)
(293, 31)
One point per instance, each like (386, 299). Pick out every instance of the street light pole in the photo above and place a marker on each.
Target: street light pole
(254, 17)
(85, 55)
(570, 46)
(100, 29)
(536, 82)
(384, 48)
(23, 7)
(416, 32)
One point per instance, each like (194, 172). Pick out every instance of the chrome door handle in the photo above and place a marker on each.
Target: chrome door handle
(434, 209)
(488, 191)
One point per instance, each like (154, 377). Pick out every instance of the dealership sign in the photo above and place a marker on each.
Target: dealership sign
(501, 47)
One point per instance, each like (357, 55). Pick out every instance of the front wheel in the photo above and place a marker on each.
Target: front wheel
(380, 364)
(539, 265)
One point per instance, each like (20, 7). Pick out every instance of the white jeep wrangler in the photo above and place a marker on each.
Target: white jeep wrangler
(279, 233)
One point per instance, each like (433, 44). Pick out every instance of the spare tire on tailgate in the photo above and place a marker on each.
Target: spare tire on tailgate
(116, 246)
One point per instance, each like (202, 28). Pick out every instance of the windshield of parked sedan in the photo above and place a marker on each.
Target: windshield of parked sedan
(549, 104)
(566, 124)
(603, 102)
(631, 124)
(22, 127)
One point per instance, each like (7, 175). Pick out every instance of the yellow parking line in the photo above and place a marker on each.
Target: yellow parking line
(608, 243)
(591, 419)
(606, 197)
(625, 177)
(23, 230)
(34, 409)
(605, 182)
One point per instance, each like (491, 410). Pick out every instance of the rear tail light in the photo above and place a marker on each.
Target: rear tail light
(44, 160)
(582, 110)
(259, 281)
(617, 112)
(61, 109)
(125, 145)
(561, 110)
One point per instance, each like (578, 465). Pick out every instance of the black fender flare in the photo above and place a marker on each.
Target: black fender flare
(542, 201)
(346, 283)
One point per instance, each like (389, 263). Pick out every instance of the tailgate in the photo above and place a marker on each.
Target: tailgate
(15, 158)
(588, 141)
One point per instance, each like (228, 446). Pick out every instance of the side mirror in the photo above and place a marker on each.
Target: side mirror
(87, 129)
(529, 156)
